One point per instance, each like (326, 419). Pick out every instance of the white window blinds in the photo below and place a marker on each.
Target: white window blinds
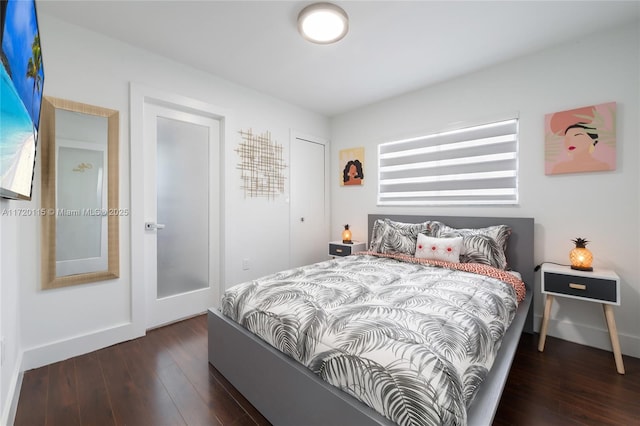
(474, 165)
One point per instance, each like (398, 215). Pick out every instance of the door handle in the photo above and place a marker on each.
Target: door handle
(150, 226)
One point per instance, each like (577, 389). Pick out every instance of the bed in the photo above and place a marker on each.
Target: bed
(288, 393)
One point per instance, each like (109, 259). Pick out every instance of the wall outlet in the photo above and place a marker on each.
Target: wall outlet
(246, 264)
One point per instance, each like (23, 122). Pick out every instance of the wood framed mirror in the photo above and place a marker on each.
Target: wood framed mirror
(80, 220)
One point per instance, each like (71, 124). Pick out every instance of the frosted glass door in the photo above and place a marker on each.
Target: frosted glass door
(181, 252)
(182, 207)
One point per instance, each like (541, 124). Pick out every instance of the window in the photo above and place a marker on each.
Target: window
(469, 166)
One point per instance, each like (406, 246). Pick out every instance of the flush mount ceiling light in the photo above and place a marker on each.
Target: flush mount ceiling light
(323, 23)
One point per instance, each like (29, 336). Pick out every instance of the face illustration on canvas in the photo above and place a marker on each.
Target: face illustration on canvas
(577, 142)
(580, 143)
(353, 171)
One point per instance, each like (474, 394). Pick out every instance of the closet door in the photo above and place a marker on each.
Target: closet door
(308, 201)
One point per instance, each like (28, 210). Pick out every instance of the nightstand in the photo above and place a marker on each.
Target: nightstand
(338, 248)
(600, 286)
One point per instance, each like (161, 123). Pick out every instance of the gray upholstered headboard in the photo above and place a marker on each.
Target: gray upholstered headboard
(519, 250)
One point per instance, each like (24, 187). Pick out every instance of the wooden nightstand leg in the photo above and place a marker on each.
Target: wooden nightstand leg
(545, 322)
(613, 334)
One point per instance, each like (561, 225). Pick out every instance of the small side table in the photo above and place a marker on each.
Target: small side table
(601, 286)
(338, 248)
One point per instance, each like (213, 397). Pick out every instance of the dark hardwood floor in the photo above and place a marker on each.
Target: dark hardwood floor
(164, 379)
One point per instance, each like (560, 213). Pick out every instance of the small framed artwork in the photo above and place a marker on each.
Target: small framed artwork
(581, 140)
(352, 166)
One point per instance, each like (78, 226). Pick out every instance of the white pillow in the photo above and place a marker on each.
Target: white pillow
(444, 249)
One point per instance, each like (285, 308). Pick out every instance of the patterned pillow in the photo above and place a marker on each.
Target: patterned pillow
(481, 245)
(389, 236)
(445, 249)
(377, 234)
(414, 229)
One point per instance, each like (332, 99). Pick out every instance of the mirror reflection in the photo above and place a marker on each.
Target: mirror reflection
(79, 193)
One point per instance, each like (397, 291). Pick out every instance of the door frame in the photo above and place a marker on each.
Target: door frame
(140, 95)
(293, 136)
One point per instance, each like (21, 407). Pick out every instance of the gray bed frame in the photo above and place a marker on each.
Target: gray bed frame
(287, 393)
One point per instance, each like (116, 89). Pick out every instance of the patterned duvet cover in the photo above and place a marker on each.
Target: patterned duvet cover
(410, 339)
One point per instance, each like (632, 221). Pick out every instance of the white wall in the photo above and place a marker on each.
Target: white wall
(50, 325)
(602, 207)
(10, 277)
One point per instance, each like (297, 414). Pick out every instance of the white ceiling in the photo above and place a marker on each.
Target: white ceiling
(393, 47)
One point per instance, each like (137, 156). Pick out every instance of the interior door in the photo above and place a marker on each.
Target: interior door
(181, 213)
(309, 233)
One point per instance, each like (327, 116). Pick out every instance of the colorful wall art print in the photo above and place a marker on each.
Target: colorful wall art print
(352, 170)
(581, 140)
(21, 86)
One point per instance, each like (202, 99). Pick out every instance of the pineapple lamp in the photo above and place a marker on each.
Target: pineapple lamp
(581, 257)
(346, 235)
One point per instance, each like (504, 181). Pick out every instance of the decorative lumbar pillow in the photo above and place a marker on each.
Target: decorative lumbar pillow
(444, 249)
(481, 245)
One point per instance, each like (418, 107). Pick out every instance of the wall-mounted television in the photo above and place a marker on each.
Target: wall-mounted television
(20, 97)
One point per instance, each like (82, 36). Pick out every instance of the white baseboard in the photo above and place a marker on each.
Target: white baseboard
(590, 336)
(79, 345)
(58, 351)
(10, 406)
